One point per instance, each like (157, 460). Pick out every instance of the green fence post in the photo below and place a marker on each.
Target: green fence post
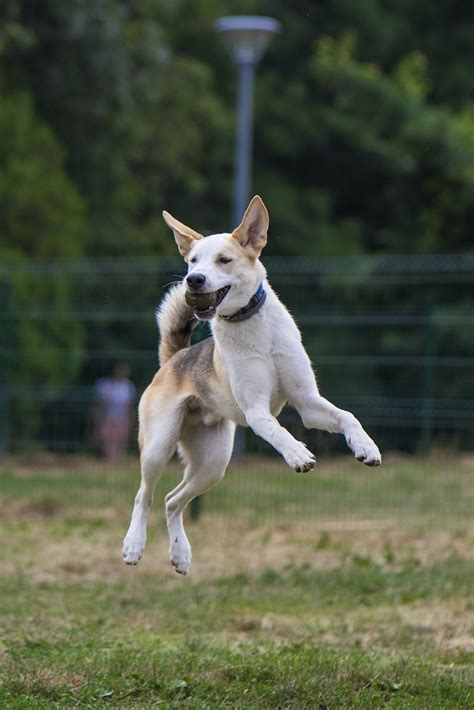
(195, 507)
(5, 330)
(427, 379)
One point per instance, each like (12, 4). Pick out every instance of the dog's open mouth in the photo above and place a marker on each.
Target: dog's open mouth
(205, 304)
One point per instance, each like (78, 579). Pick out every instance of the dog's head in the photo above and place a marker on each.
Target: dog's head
(224, 270)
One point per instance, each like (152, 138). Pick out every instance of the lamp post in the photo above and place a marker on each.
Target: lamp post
(247, 38)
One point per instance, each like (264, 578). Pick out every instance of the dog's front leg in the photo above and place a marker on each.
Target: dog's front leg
(317, 413)
(252, 390)
(264, 424)
(299, 384)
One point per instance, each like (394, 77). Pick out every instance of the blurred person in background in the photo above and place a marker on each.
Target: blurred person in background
(113, 412)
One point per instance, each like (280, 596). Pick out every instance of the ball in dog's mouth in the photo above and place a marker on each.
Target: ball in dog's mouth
(204, 305)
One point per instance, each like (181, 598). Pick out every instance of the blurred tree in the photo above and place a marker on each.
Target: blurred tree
(139, 122)
(41, 215)
(442, 31)
(41, 212)
(363, 162)
(363, 136)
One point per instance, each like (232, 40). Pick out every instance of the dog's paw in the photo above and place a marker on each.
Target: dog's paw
(365, 450)
(299, 458)
(180, 556)
(132, 550)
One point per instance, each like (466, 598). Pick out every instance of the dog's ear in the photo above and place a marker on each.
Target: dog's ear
(184, 236)
(252, 231)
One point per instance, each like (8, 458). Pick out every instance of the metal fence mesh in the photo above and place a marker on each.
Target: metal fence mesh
(392, 339)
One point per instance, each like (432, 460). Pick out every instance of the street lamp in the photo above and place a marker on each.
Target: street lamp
(247, 38)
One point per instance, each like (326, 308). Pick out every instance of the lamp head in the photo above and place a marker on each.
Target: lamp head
(247, 37)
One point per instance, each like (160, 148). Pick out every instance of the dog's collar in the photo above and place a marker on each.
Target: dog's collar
(252, 307)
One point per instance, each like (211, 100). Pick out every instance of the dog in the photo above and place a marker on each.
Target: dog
(244, 374)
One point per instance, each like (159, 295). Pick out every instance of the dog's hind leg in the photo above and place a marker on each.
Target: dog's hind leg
(160, 421)
(206, 451)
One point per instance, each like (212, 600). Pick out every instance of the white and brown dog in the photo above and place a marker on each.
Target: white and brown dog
(252, 366)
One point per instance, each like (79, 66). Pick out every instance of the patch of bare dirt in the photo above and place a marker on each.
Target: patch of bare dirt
(26, 465)
(31, 510)
(221, 547)
(451, 626)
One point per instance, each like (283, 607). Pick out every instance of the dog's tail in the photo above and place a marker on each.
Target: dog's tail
(176, 322)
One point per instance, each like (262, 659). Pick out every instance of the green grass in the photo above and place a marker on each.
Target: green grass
(441, 489)
(332, 590)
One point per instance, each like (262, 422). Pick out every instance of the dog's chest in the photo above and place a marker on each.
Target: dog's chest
(270, 335)
(247, 367)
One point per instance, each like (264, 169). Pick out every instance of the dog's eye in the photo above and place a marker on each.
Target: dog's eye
(225, 260)
(193, 260)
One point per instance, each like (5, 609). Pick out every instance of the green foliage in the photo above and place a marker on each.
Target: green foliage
(43, 342)
(41, 212)
(374, 165)
(363, 119)
(41, 354)
(139, 121)
(41, 215)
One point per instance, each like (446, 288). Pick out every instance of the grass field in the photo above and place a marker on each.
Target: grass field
(343, 588)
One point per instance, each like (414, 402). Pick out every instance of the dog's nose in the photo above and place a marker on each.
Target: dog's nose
(195, 281)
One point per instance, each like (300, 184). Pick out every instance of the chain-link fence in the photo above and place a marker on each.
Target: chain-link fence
(392, 339)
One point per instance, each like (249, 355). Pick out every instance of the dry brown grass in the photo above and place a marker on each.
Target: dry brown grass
(51, 549)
